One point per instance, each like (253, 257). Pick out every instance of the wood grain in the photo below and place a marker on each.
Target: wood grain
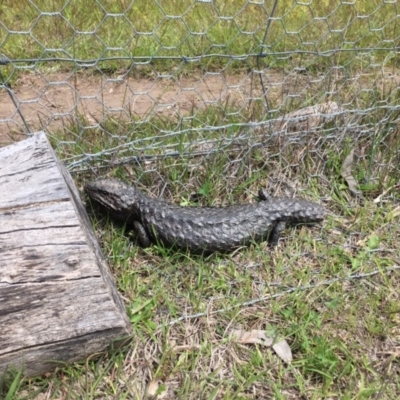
(58, 302)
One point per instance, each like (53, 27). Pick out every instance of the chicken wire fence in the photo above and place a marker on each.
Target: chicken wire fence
(122, 82)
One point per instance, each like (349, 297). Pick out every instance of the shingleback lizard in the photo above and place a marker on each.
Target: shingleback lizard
(201, 229)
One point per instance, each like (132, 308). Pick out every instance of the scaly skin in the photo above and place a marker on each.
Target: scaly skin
(201, 229)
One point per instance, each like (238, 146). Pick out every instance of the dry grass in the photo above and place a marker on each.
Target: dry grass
(331, 291)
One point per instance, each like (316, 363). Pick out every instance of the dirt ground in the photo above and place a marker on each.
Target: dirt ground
(55, 101)
(52, 101)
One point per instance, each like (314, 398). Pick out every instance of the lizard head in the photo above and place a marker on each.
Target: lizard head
(114, 195)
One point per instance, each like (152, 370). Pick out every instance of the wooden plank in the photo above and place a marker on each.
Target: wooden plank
(60, 318)
(58, 302)
(36, 243)
(55, 354)
(30, 174)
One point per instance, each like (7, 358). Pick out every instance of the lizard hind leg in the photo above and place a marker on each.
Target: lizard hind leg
(276, 233)
(263, 195)
(141, 234)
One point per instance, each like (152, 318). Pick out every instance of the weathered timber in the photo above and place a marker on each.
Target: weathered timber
(58, 302)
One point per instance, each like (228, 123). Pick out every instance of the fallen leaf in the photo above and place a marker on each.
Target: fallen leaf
(310, 117)
(283, 351)
(348, 176)
(280, 347)
(254, 336)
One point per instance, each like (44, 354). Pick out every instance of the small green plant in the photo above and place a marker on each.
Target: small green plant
(10, 383)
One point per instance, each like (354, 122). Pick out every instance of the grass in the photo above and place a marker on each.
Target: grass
(329, 290)
(175, 29)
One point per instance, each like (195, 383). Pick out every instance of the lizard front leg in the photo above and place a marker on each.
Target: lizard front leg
(263, 195)
(279, 227)
(276, 233)
(141, 233)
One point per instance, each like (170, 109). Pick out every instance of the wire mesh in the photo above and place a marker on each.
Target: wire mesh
(135, 81)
